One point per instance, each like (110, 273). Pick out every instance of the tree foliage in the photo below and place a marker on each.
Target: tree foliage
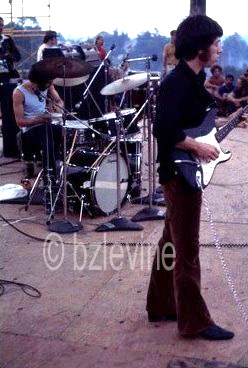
(235, 52)
(234, 57)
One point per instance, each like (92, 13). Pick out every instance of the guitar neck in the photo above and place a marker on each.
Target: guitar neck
(223, 132)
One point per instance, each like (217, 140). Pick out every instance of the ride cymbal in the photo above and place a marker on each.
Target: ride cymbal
(61, 67)
(124, 84)
(70, 82)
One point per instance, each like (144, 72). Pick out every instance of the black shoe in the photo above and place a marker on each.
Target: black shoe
(158, 318)
(215, 332)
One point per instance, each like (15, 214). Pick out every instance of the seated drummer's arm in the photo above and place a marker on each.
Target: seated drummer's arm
(21, 121)
(56, 98)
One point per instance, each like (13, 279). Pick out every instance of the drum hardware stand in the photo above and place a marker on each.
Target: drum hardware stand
(66, 226)
(158, 194)
(85, 97)
(108, 147)
(157, 197)
(106, 82)
(118, 223)
(122, 98)
(63, 226)
(94, 77)
(33, 190)
(149, 213)
(48, 185)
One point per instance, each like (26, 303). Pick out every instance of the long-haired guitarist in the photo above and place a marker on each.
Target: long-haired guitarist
(174, 292)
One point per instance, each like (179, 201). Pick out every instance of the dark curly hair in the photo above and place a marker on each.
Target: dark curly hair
(38, 76)
(49, 35)
(195, 33)
(214, 67)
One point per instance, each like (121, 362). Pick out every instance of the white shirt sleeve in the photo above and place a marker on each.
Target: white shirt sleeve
(40, 52)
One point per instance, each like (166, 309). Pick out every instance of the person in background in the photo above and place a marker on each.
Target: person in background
(99, 42)
(239, 96)
(8, 81)
(175, 285)
(227, 87)
(222, 94)
(169, 58)
(213, 83)
(49, 41)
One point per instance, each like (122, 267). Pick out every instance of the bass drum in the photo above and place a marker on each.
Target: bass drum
(97, 182)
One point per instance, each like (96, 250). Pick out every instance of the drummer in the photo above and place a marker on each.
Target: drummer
(33, 118)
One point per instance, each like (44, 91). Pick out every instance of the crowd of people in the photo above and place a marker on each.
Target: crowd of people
(229, 95)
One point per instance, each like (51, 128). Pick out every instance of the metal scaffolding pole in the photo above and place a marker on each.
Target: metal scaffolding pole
(197, 7)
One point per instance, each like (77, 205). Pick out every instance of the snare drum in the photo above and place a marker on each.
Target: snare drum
(84, 134)
(99, 185)
(106, 123)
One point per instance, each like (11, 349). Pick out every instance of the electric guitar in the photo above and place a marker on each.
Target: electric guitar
(195, 171)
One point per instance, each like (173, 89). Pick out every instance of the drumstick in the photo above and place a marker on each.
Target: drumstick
(72, 147)
(103, 152)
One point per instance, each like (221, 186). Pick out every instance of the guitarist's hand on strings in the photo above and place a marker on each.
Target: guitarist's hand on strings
(203, 151)
(206, 152)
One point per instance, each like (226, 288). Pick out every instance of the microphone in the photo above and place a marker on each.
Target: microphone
(112, 46)
(153, 58)
(124, 60)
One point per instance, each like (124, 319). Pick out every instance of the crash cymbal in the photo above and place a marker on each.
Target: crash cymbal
(70, 82)
(124, 84)
(61, 67)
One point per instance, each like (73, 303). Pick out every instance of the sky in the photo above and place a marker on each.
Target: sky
(82, 19)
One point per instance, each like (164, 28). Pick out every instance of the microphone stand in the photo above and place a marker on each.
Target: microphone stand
(149, 213)
(119, 223)
(96, 73)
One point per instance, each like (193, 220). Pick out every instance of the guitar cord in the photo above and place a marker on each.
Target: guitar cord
(225, 268)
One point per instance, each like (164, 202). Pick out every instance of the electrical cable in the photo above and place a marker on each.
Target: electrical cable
(11, 172)
(32, 236)
(27, 289)
(9, 162)
(205, 245)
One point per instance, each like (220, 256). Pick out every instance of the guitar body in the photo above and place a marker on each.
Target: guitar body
(196, 172)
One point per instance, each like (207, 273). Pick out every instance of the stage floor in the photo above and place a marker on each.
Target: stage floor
(91, 312)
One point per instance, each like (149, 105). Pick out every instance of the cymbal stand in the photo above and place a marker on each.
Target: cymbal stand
(118, 223)
(45, 174)
(95, 75)
(149, 213)
(96, 104)
(63, 226)
(157, 193)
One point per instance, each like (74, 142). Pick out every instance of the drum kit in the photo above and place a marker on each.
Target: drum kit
(102, 157)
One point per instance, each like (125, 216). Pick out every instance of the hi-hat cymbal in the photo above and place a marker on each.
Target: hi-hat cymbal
(124, 84)
(61, 67)
(70, 82)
